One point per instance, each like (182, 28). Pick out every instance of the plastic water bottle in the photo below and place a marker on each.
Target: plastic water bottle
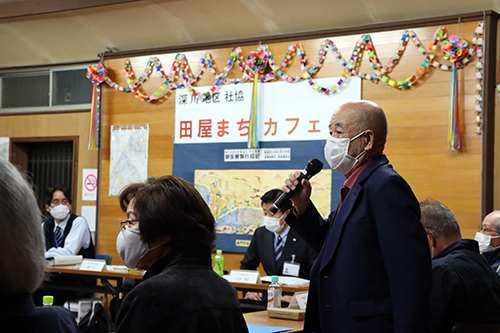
(48, 300)
(219, 263)
(274, 293)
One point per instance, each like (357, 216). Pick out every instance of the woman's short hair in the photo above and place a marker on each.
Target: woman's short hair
(22, 265)
(170, 206)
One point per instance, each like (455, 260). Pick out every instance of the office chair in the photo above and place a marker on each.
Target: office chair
(476, 328)
(105, 257)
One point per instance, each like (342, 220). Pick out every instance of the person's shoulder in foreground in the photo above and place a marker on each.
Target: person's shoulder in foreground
(24, 272)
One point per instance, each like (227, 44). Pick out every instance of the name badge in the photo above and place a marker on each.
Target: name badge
(291, 268)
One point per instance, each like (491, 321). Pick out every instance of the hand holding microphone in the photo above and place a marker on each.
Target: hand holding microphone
(312, 168)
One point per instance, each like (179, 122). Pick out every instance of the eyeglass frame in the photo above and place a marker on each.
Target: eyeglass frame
(483, 229)
(56, 202)
(128, 222)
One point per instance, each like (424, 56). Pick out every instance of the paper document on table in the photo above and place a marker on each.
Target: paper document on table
(64, 260)
(118, 268)
(252, 328)
(287, 280)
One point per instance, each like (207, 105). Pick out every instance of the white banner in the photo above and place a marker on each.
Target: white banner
(286, 112)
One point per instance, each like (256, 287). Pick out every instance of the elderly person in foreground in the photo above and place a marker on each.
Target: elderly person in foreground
(22, 264)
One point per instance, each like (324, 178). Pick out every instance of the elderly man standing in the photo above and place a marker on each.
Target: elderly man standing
(373, 271)
(464, 287)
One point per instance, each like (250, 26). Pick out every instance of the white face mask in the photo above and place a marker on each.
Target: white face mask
(336, 154)
(59, 212)
(273, 223)
(131, 248)
(484, 242)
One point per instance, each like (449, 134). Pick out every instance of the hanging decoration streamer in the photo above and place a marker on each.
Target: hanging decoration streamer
(454, 50)
(257, 62)
(96, 74)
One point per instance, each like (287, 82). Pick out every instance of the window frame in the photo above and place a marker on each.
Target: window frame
(42, 109)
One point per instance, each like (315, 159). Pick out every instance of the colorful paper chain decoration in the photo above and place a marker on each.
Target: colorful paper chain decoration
(181, 70)
(477, 41)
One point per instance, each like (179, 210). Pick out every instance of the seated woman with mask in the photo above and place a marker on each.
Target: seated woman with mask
(170, 232)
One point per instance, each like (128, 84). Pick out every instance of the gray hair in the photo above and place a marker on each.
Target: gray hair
(438, 217)
(22, 265)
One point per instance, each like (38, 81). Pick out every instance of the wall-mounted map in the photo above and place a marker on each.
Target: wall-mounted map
(234, 195)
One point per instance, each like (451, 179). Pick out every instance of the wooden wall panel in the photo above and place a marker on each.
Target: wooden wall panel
(418, 120)
(56, 124)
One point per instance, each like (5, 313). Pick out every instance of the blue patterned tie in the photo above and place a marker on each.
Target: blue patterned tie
(58, 236)
(279, 248)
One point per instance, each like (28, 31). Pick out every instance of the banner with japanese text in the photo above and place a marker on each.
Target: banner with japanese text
(210, 149)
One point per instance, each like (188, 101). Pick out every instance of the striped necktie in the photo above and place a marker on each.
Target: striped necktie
(279, 248)
(58, 235)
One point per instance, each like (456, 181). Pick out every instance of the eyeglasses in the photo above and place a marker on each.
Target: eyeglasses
(56, 202)
(128, 223)
(485, 229)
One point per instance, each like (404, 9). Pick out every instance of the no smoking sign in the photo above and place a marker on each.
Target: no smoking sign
(89, 188)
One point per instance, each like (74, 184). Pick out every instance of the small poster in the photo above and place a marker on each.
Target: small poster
(89, 188)
(128, 162)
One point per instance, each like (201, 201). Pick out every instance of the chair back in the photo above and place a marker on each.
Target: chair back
(476, 328)
(105, 257)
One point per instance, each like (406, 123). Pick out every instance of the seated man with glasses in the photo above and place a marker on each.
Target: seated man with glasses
(170, 232)
(488, 238)
(66, 234)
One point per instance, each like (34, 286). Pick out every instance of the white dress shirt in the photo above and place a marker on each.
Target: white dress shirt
(78, 238)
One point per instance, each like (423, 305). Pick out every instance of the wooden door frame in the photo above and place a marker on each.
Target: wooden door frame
(21, 160)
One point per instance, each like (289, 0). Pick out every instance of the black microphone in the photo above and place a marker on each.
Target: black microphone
(312, 168)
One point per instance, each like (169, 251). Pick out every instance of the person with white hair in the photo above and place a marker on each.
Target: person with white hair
(22, 264)
(465, 289)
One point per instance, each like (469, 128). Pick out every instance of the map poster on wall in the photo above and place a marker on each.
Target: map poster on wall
(128, 161)
(4, 148)
(234, 195)
(211, 151)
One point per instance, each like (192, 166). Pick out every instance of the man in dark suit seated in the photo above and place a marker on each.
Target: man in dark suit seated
(465, 288)
(280, 249)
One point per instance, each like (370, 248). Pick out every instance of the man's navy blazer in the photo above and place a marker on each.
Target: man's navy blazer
(373, 271)
(261, 249)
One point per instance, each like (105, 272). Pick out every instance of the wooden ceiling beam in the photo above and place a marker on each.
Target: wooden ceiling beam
(36, 7)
